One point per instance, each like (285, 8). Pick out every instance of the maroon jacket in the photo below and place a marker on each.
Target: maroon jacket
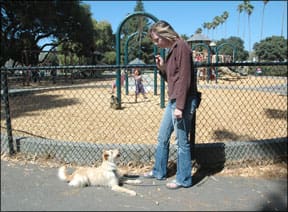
(179, 73)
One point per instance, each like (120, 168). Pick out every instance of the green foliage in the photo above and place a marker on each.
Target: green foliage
(271, 49)
(26, 23)
(275, 70)
(109, 58)
(241, 54)
(134, 29)
(103, 37)
(103, 41)
(184, 37)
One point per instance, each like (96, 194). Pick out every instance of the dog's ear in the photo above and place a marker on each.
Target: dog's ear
(117, 152)
(105, 155)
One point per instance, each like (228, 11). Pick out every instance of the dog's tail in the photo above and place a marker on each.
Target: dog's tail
(63, 175)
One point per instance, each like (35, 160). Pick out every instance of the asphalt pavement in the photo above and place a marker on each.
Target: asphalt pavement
(31, 187)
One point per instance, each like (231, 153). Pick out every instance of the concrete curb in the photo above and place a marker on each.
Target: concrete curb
(84, 153)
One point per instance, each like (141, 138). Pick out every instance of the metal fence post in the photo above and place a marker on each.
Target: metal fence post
(155, 72)
(7, 111)
(192, 135)
(162, 84)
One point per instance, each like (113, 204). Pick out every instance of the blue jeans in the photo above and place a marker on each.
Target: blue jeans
(181, 127)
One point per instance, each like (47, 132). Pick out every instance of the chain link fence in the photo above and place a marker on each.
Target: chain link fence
(68, 113)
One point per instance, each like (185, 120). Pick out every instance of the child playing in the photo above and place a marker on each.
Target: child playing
(138, 84)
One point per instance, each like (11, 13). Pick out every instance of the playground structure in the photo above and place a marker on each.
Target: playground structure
(209, 73)
(205, 51)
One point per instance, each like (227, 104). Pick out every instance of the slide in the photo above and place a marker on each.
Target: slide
(227, 71)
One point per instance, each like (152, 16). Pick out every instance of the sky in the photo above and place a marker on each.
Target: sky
(187, 16)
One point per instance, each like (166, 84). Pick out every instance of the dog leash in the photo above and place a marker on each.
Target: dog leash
(134, 177)
(204, 180)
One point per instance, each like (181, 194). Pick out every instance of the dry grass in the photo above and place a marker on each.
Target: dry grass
(276, 171)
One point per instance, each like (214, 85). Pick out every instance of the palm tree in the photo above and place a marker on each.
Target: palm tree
(213, 26)
(221, 21)
(244, 22)
(209, 26)
(263, 11)
(198, 31)
(240, 9)
(225, 16)
(283, 14)
(205, 26)
(216, 23)
(248, 9)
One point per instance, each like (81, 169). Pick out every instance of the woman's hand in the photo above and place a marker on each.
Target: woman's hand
(178, 113)
(159, 62)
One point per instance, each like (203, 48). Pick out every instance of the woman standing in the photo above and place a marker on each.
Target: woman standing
(177, 70)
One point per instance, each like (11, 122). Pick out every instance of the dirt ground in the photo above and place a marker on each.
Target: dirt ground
(84, 113)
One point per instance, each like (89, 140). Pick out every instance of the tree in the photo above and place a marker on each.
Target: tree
(283, 15)
(248, 9)
(240, 9)
(222, 20)
(104, 38)
(225, 16)
(271, 49)
(184, 36)
(241, 53)
(139, 45)
(262, 20)
(104, 42)
(198, 31)
(205, 26)
(214, 26)
(219, 20)
(208, 26)
(58, 21)
(216, 23)
(109, 57)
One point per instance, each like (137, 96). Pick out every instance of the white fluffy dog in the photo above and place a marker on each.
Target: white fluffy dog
(105, 175)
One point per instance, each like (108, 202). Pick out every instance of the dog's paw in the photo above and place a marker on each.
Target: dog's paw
(79, 181)
(137, 181)
(74, 184)
(133, 181)
(132, 193)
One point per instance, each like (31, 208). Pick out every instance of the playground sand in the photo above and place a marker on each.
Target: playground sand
(84, 113)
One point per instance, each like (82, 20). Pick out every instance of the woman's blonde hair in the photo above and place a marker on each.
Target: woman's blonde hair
(163, 29)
